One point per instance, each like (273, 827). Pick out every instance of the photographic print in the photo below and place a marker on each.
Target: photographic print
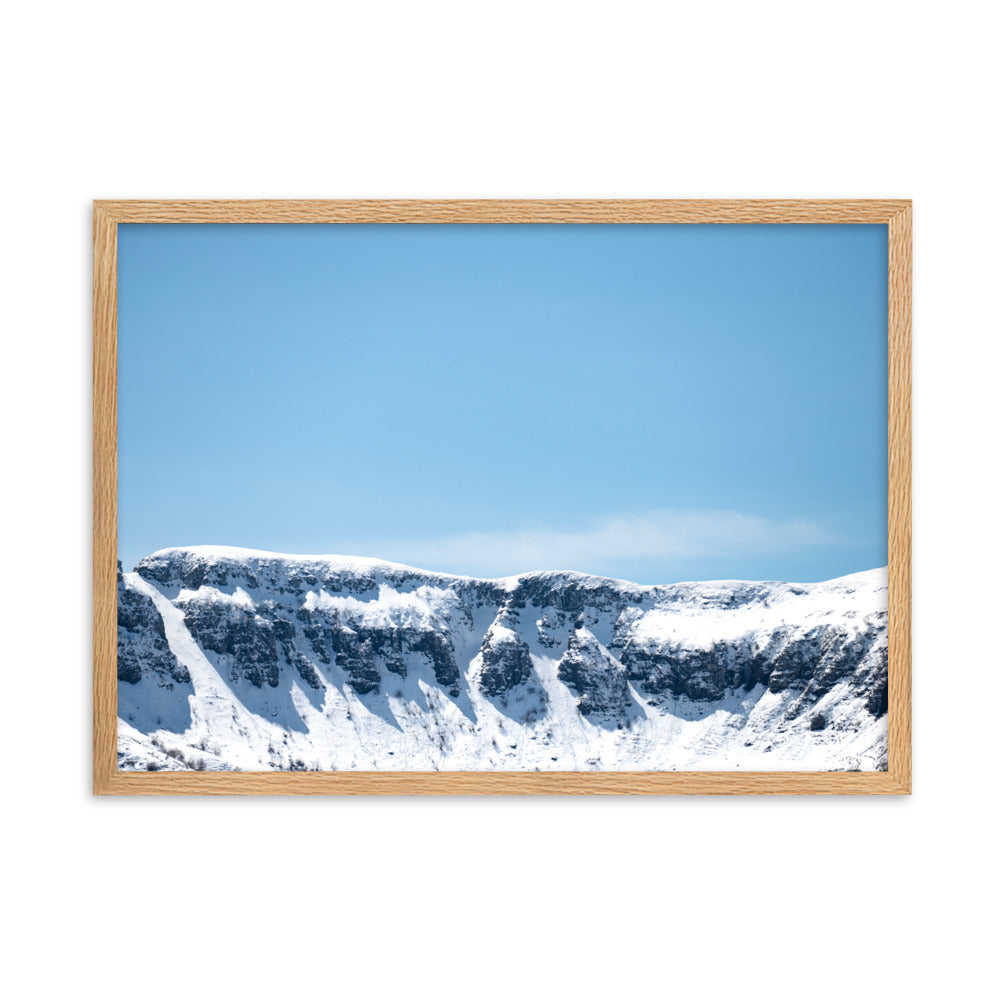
(506, 497)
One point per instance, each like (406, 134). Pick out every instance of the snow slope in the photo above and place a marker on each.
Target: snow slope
(239, 659)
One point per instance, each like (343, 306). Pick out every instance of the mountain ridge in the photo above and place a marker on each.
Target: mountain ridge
(249, 659)
(223, 553)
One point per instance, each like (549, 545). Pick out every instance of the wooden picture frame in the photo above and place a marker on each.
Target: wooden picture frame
(108, 215)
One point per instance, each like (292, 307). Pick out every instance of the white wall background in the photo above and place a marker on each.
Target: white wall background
(775, 898)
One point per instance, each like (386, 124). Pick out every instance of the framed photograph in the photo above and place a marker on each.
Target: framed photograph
(502, 497)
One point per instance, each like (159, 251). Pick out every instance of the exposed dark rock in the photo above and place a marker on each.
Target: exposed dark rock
(572, 593)
(142, 642)
(320, 636)
(792, 662)
(698, 674)
(598, 680)
(873, 675)
(284, 631)
(237, 632)
(506, 661)
(355, 655)
(305, 669)
(438, 649)
(878, 700)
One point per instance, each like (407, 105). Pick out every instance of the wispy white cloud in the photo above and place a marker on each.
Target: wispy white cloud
(654, 538)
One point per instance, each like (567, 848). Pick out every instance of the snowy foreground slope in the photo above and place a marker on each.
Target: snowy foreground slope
(236, 659)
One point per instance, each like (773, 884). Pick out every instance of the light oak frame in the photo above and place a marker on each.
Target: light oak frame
(107, 780)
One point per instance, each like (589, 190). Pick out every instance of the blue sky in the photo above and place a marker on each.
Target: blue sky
(651, 402)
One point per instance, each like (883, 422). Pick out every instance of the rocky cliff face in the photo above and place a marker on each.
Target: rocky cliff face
(233, 658)
(150, 677)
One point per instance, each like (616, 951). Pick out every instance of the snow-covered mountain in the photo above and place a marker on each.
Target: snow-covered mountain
(237, 659)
